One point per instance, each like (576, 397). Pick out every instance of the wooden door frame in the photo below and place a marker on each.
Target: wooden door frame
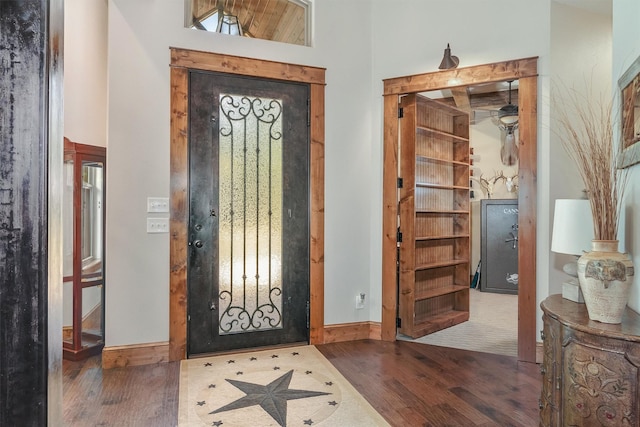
(182, 61)
(525, 71)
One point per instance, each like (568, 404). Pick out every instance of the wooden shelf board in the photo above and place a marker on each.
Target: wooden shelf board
(441, 106)
(442, 186)
(452, 137)
(442, 237)
(438, 322)
(446, 263)
(446, 211)
(445, 161)
(440, 291)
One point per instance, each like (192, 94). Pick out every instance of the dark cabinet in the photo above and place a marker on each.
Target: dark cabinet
(499, 246)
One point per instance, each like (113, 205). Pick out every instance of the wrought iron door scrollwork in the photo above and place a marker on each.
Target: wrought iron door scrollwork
(250, 214)
(236, 318)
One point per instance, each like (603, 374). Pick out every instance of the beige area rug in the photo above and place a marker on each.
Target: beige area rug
(492, 326)
(294, 386)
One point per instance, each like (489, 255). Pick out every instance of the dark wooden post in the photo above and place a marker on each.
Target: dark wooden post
(30, 117)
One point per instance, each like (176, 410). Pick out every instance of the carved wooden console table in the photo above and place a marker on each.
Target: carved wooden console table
(590, 369)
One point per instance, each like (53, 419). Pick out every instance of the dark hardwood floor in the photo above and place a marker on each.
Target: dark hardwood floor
(123, 397)
(413, 384)
(410, 384)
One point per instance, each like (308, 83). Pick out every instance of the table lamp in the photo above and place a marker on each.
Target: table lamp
(572, 234)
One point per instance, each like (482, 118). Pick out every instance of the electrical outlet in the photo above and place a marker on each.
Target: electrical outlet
(360, 301)
(157, 225)
(158, 204)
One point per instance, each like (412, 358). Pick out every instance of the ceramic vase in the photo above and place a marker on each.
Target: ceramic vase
(605, 277)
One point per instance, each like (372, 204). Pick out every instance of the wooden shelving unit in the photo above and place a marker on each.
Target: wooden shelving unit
(434, 251)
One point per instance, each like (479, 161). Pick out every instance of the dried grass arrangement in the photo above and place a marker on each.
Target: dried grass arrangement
(587, 134)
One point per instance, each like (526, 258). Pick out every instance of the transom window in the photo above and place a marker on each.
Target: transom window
(286, 21)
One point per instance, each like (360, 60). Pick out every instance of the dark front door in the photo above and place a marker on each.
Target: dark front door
(248, 263)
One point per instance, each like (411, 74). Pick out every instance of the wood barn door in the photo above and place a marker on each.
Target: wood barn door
(248, 257)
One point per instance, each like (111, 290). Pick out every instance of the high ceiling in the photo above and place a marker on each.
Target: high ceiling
(278, 20)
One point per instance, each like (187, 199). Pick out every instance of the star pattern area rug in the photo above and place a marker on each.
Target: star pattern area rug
(293, 386)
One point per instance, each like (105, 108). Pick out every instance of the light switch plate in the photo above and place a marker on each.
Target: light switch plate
(157, 225)
(158, 204)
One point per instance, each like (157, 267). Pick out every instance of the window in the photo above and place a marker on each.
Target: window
(286, 21)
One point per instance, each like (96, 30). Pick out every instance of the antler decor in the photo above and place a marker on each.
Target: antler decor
(511, 183)
(488, 184)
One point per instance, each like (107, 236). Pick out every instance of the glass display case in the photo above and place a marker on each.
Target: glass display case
(83, 250)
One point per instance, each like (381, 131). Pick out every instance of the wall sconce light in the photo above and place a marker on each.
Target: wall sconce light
(448, 61)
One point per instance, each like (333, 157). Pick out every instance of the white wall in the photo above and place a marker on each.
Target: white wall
(626, 48)
(581, 52)
(85, 71)
(409, 40)
(140, 34)
(85, 103)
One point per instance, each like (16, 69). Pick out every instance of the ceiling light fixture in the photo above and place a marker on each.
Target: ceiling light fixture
(508, 114)
(227, 24)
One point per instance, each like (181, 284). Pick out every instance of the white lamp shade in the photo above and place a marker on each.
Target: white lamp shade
(572, 227)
